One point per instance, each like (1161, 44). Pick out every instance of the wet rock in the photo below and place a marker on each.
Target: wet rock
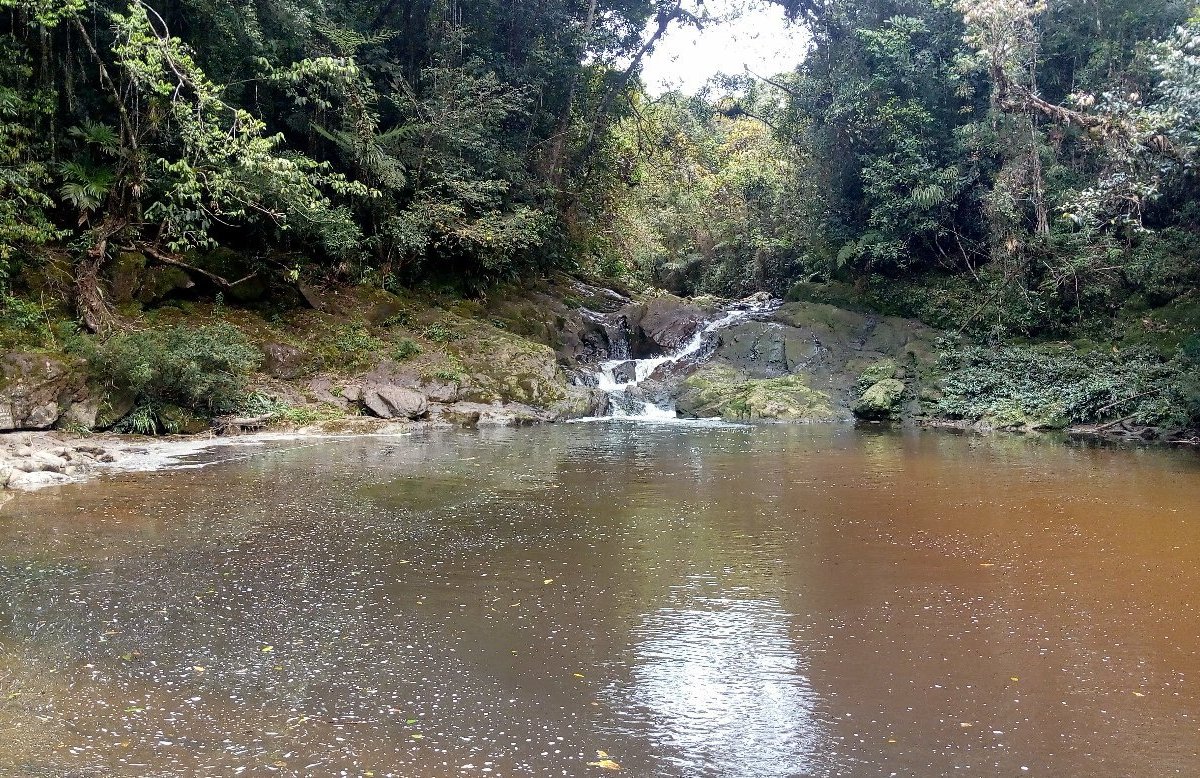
(472, 415)
(46, 461)
(766, 349)
(37, 480)
(625, 372)
(662, 325)
(283, 361)
(395, 402)
(883, 400)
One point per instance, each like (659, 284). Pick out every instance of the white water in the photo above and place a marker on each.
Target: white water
(619, 401)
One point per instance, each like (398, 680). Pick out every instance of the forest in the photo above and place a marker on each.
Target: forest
(1019, 173)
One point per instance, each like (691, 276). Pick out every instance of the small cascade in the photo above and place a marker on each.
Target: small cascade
(621, 378)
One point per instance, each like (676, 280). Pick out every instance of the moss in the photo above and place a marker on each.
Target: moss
(882, 400)
(718, 390)
(880, 371)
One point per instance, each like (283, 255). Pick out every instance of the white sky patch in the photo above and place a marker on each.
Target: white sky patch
(760, 39)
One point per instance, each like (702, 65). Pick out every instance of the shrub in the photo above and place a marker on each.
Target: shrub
(405, 349)
(1055, 386)
(22, 323)
(203, 368)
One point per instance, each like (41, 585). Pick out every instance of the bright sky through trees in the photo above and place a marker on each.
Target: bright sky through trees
(759, 38)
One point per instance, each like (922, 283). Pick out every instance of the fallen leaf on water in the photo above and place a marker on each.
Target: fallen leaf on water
(410, 721)
(605, 764)
(268, 649)
(1014, 678)
(602, 755)
(199, 669)
(548, 581)
(965, 724)
(987, 564)
(1138, 694)
(416, 736)
(577, 675)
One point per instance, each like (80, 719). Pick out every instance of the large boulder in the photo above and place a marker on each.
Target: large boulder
(35, 389)
(394, 402)
(882, 400)
(662, 325)
(720, 391)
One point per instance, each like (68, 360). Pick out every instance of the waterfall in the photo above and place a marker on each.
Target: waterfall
(621, 378)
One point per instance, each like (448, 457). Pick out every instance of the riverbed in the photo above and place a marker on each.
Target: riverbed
(610, 598)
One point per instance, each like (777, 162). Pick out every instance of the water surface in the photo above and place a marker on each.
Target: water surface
(682, 601)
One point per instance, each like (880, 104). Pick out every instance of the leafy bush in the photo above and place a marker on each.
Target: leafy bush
(22, 323)
(1054, 386)
(203, 368)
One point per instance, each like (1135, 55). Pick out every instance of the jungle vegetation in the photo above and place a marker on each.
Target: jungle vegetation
(1012, 170)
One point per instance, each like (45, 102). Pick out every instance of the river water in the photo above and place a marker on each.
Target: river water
(676, 600)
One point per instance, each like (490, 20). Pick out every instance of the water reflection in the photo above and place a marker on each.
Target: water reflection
(723, 689)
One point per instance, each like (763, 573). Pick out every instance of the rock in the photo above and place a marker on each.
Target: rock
(283, 361)
(883, 400)
(181, 421)
(718, 390)
(124, 276)
(501, 368)
(160, 282)
(34, 388)
(625, 372)
(37, 480)
(45, 461)
(321, 390)
(395, 402)
(82, 414)
(441, 391)
(766, 349)
(472, 415)
(112, 409)
(352, 393)
(663, 325)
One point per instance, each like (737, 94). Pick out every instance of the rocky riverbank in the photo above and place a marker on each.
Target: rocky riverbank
(354, 360)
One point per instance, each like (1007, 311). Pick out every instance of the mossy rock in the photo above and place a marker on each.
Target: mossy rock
(883, 400)
(718, 390)
(880, 371)
(182, 421)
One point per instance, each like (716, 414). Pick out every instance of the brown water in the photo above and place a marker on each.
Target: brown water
(690, 601)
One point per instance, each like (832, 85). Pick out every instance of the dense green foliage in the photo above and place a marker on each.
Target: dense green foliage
(1033, 164)
(383, 141)
(1005, 169)
(1054, 386)
(203, 369)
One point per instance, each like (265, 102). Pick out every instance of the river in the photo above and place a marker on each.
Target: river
(675, 600)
